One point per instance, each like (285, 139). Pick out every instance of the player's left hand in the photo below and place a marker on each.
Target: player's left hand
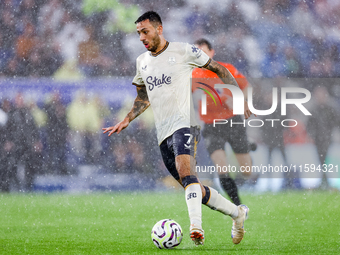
(117, 128)
(247, 112)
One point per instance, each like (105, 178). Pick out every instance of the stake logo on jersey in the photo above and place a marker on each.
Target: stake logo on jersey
(158, 82)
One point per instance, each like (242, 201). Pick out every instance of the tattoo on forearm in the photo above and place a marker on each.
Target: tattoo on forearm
(222, 72)
(140, 105)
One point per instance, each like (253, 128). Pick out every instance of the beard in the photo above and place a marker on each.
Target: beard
(155, 43)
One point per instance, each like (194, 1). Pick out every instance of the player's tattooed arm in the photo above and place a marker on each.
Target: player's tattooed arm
(140, 105)
(222, 72)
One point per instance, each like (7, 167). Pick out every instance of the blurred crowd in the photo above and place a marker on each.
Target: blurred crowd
(56, 137)
(41, 38)
(270, 38)
(85, 38)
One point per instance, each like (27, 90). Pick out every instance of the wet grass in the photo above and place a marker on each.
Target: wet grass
(115, 223)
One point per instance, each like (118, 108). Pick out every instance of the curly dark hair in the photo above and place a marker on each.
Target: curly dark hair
(152, 16)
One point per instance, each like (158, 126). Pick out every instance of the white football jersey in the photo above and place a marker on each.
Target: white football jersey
(167, 77)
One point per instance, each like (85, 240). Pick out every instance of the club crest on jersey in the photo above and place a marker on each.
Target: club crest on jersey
(196, 50)
(172, 60)
(158, 82)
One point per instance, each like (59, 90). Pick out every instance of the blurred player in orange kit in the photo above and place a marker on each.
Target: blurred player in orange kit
(216, 137)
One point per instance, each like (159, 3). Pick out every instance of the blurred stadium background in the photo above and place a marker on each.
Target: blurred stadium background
(66, 69)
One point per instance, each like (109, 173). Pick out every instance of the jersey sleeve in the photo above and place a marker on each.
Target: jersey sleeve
(138, 80)
(196, 57)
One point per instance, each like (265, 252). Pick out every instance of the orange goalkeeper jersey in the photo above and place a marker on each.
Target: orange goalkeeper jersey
(218, 111)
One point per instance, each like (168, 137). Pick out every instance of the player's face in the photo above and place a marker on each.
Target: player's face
(206, 50)
(149, 35)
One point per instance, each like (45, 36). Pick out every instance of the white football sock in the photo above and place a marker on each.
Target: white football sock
(219, 203)
(193, 197)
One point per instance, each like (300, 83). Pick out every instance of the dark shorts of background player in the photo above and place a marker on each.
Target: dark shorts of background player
(182, 141)
(216, 137)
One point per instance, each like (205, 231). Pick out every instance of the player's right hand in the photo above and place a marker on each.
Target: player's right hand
(117, 128)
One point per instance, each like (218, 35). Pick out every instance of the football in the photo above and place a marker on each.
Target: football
(166, 234)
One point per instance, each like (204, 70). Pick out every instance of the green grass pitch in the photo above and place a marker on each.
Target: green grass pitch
(117, 223)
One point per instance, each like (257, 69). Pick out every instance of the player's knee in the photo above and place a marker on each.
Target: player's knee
(183, 172)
